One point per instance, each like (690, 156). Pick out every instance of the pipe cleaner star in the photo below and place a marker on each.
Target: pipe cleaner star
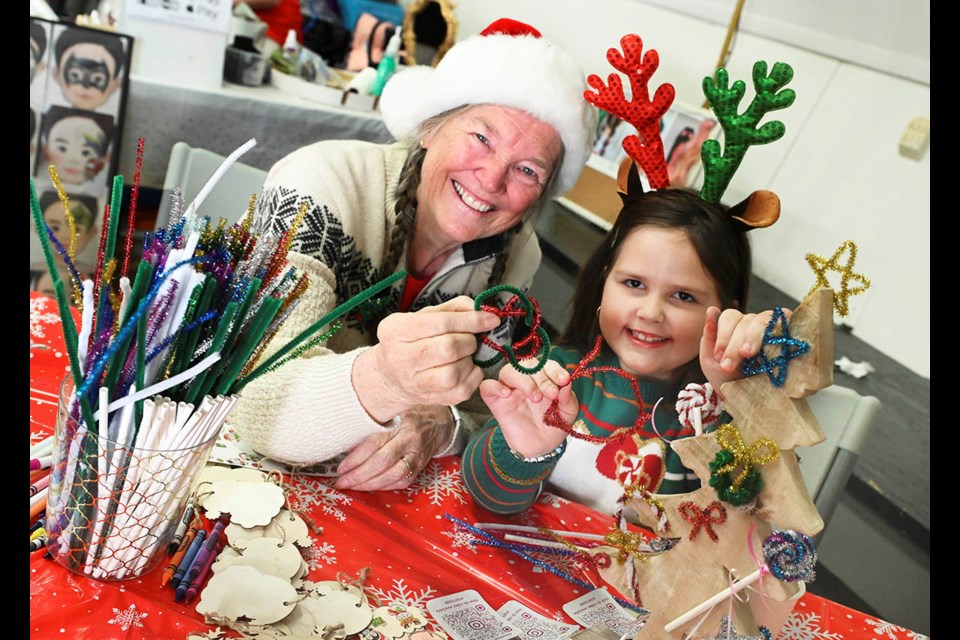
(821, 266)
(728, 632)
(775, 368)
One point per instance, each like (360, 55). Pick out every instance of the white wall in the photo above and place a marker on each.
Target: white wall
(837, 170)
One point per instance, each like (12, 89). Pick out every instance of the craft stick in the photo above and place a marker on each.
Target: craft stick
(711, 602)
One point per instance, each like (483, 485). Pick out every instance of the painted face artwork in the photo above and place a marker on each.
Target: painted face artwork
(655, 301)
(34, 59)
(77, 147)
(86, 75)
(57, 221)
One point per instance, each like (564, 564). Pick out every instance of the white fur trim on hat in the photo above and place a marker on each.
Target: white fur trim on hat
(524, 72)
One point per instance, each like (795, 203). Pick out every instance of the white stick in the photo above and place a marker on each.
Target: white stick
(42, 448)
(697, 421)
(519, 527)
(708, 604)
(86, 324)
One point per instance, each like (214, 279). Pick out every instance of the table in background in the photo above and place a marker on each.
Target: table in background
(223, 119)
(413, 551)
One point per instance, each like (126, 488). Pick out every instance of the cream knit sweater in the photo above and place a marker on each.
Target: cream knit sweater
(307, 411)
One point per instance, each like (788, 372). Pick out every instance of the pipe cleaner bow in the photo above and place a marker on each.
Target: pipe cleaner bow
(703, 518)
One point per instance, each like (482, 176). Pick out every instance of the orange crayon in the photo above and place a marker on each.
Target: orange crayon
(188, 537)
(38, 508)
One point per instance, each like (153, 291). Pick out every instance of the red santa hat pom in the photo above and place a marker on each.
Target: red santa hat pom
(507, 63)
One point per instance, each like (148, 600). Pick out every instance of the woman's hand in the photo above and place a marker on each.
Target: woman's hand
(728, 339)
(518, 402)
(422, 358)
(391, 460)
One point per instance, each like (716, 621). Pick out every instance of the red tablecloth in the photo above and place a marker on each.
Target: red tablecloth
(414, 553)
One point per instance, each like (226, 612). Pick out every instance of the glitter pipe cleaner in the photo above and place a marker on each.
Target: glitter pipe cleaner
(542, 565)
(790, 557)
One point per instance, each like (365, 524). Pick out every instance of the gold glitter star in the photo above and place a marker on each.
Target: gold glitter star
(821, 266)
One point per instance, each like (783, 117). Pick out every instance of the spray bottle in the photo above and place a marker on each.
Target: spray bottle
(388, 64)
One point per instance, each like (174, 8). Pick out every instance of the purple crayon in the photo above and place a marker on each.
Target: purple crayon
(195, 546)
(205, 551)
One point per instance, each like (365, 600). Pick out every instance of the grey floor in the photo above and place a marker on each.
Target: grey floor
(874, 556)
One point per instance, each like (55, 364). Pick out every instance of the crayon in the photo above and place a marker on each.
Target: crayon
(188, 558)
(194, 588)
(39, 473)
(38, 543)
(180, 552)
(42, 522)
(185, 522)
(39, 507)
(36, 534)
(198, 561)
(43, 462)
(42, 483)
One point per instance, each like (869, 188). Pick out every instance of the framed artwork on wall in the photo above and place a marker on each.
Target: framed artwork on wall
(78, 86)
(683, 130)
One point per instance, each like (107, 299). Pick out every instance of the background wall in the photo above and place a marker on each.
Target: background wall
(837, 170)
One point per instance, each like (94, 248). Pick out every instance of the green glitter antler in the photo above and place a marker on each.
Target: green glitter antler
(741, 131)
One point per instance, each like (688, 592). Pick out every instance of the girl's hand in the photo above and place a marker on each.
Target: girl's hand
(728, 339)
(424, 357)
(518, 402)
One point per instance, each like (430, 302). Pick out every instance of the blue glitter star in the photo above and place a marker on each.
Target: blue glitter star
(775, 368)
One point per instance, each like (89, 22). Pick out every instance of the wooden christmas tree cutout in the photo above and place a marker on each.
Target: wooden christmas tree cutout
(698, 567)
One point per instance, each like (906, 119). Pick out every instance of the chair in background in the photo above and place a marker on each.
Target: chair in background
(190, 168)
(846, 418)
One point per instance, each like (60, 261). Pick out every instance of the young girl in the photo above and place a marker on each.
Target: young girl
(665, 290)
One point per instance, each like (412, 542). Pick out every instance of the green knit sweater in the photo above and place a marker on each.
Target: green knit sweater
(591, 473)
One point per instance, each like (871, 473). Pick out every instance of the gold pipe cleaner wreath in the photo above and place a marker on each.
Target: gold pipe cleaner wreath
(821, 266)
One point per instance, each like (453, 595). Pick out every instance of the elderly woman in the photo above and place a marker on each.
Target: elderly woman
(484, 139)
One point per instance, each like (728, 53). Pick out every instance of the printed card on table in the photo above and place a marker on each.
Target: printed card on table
(533, 625)
(467, 616)
(599, 608)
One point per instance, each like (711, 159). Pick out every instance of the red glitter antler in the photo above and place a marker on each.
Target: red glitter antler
(640, 111)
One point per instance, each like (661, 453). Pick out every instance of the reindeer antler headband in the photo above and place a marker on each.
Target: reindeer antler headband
(760, 208)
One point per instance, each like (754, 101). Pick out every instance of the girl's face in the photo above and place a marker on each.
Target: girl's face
(57, 222)
(655, 301)
(76, 146)
(483, 169)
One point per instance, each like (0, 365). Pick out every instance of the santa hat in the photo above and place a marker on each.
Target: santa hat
(507, 63)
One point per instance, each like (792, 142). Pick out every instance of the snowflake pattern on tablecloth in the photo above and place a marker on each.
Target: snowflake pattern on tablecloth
(310, 492)
(405, 595)
(461, 539)
(437, 483)
(39, 316)
(127, 618)
(800, 626)
(316, 555)
(891, 631)
(551, 500)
